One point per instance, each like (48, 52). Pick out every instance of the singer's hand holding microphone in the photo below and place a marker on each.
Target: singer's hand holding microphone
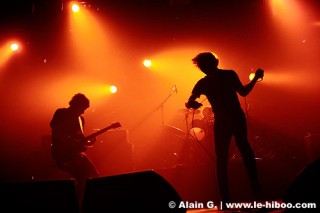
(259, 74)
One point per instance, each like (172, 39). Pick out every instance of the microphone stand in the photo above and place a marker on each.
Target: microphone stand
(159, 107)
(163, 102)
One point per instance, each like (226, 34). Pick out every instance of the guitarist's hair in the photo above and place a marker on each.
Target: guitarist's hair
(79, 99)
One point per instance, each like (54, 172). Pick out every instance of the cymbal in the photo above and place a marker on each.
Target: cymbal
(175, 131)
(188, 111)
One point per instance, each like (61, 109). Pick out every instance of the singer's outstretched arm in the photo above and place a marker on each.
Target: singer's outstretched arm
(244, 90)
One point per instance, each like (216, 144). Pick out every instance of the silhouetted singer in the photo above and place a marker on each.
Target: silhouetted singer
(221, 88)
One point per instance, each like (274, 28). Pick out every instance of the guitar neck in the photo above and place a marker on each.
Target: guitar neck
(93, 135)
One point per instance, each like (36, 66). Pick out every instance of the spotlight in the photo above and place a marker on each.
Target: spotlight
(147, 63)
(251, 76)
(75, 7)
(8, 50)
(14, 46)
(113, 89)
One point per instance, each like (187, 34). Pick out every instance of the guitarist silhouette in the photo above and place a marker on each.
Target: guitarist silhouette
(69, 143)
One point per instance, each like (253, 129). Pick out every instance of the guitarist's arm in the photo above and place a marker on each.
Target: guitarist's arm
(62, 129)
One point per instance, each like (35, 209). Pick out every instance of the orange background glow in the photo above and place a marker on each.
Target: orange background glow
(105, 45)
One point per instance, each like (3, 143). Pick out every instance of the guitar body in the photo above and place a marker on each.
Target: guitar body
(64, 150)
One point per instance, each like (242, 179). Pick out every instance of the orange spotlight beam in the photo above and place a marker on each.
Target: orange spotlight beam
(7, 51)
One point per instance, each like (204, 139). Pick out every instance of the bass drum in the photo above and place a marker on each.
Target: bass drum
(197, 123)
(197, 133)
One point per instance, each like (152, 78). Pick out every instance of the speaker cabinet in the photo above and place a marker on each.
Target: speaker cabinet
(144, 191)
(39, 196)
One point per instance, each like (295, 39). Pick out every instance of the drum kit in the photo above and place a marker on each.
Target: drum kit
(196, 131)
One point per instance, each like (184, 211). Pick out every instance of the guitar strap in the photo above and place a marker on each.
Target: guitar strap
(80, 123)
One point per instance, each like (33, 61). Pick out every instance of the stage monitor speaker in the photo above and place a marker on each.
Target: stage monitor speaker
(144, 191)
(305, 188)
(39, 196)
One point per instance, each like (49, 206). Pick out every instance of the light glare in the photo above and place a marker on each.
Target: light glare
(14, 46)
(251, 76)
(113, 89)
(75, 8)
(147, 63)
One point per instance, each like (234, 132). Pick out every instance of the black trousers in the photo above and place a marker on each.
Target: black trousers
(81, 169)
(224, 128)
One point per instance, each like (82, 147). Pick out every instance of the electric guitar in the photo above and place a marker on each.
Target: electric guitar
(69, 147)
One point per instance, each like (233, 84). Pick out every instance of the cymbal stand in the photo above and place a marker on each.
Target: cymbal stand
(185, 152)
